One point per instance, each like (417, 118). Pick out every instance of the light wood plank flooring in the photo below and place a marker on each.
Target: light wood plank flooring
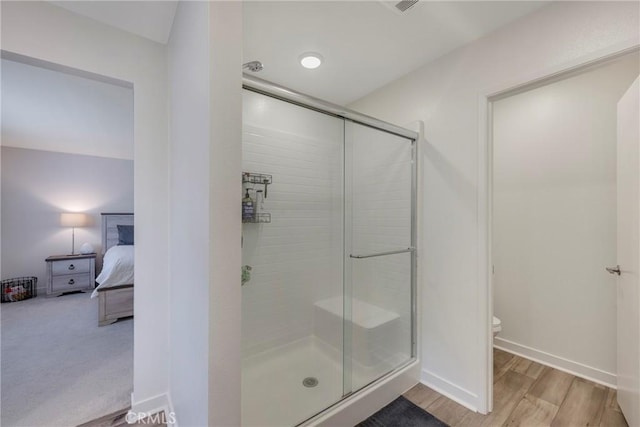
(526, 393)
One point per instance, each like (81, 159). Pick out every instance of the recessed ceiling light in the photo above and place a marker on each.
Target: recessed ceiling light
(310, 60)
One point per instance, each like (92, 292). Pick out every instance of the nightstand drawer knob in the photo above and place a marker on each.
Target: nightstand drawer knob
(71, 281)
(72, 267)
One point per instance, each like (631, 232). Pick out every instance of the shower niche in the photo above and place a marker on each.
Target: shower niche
(332, 293)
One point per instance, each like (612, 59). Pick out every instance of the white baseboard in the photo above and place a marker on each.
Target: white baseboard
(446, 388)
(151, 406)
(575, 368)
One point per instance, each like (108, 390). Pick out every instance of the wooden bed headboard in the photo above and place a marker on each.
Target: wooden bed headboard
(110, 222)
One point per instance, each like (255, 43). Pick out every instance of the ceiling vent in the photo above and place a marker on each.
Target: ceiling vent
(404, 5)
(399, 7)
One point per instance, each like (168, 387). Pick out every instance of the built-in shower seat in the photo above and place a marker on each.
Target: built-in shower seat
(375, 331)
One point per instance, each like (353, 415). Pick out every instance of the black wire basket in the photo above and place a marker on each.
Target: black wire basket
(19, 288)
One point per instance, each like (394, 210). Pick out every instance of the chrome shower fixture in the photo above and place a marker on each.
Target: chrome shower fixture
(253, 66)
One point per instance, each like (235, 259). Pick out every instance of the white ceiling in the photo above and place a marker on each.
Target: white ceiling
(50, 110)
(150, 19)
(365, 44)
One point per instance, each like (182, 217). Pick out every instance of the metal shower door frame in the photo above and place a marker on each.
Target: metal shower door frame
(282, 93)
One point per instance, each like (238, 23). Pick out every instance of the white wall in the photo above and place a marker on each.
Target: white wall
(445, 95)
(554, 218)
(189, 219)
(297, 258)
(49, 33)
(37, 186)
(205, 145)
(50, 110)
(225, 37)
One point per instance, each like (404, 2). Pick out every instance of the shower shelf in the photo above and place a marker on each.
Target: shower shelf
(249, 181)
(259, 218)
(256, 178)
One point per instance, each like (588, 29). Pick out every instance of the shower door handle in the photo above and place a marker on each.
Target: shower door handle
(399, 251)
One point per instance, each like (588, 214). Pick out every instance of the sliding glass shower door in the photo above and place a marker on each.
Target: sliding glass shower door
(379, 253)
(327, 254)
(292, 252)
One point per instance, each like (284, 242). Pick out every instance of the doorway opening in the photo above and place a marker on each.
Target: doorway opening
(552, 195)
(67, 159)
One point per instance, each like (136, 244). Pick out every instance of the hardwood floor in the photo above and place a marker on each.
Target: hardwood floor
(526, 393)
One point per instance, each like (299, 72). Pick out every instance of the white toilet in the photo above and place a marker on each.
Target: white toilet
(497, 326)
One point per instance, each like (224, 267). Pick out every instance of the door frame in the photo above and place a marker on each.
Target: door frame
(535, 78)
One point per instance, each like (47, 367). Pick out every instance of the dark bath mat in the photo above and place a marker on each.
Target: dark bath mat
(402, 413)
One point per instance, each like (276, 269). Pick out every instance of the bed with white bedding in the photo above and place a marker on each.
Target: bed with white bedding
(117, 268)
(115, 281)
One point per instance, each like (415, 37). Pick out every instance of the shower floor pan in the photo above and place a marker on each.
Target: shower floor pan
(273, 393)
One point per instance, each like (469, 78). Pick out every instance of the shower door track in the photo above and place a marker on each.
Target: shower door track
(264, 87)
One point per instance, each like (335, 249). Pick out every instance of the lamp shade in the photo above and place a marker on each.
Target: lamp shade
(73, 219)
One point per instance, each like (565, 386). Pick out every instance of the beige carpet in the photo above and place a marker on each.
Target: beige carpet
(58, 367)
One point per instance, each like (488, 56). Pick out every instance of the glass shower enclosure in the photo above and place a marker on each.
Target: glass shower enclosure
(328, 247)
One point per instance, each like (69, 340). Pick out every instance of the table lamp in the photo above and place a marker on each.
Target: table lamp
(73, 220)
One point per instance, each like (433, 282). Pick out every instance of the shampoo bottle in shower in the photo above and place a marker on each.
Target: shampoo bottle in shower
(248, 207)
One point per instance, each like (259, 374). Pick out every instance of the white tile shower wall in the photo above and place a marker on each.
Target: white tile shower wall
(380, 180)
(297, 258)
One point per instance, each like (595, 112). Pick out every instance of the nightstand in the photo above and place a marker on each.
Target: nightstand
(68, 273)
